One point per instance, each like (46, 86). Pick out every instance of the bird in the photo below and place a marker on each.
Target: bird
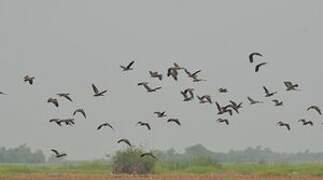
(174, 120)
(222, 110)
(98, 93)
(126, 141)
(277, 102)
(104, 125)
(236, 105)
(160, 114)
(226, 121)
(252, 55)
(149, 89)
(192, 75)
(205, 99)
(306, 122)
(53, 100)
(148, 154)
(188, 94)
(29, 79)
(156, 75)
(252, 101)
(65, 95)
(68, 121)
(128, 67)
(172, 71)
(260, 65)
(144, 124)
(79, 111)
(268, 93)
(290, 86)
(57, 121)
(58, 154)
(282, 124)
(223, 90)
(316, 108)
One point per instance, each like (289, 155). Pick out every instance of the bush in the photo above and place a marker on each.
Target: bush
(129, 162)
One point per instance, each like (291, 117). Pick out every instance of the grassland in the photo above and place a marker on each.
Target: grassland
(98, 171)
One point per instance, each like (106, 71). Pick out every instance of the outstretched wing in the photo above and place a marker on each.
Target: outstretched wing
(130, 64)
(259, 65)
(55, 151)
(95, 89)
(251, 56)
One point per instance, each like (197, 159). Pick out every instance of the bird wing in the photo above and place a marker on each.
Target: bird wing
(259, 65)
(80, 111)
(130, 64)
(55, 151)
(68, 98)
(251, 56)
(188, 73)
(195, 73)
(266, 90)
(218, 106)
(95, 89)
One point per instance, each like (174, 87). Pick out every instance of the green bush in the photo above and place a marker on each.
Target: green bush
(129, 162)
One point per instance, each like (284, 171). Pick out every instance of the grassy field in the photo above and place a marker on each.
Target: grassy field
(98, 171)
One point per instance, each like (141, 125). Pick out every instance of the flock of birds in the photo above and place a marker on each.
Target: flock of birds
(188, 95)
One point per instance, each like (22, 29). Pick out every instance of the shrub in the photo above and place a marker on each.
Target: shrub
(129, 162)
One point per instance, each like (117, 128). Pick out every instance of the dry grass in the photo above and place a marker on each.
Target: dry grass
(174, 177)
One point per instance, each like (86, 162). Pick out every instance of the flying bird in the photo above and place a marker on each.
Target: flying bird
(252, 56)
(67, 122)
(236, 105)
(156, 75)
(222, 110)
(129, 67)
(144, 124)
(58, 154)
(29, 79)
(268, 93)
(277, 102)
(80, 111)
(192, 75)
(223, 90)
(252, 101)
(53, 100)
(282, 124)
(226, 121)
(160, 114)
(57, 121)
(205, 99)
(149, 155)
(306, 122)
(172, 72)
(188, 94)
(126, 141)
(65, 95)
(316, 108)
(149, 89)
(98, 93)
(105, 125)
(175, 121)
(260, 65)
(290, 86)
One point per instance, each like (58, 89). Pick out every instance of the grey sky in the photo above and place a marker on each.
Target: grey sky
(69, 44)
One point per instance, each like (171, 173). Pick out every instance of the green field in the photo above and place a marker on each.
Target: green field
(162, 169)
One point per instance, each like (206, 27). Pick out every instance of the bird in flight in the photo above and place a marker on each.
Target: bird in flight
(236, 105)
(306, 122)
(192, 75)
(57, 121)
(128, 67)
(149, 155)
(316, 108)
(176, 121)
(268, 93)
(65, 95)
(53, 100)
(149, 89)
(160, 114)
(277, 102)
(58, 154)
(223, 90)
(67, 122)
(226, 121)
(172, 71)
(188, 94)
(156, 75)
(126, 141)
(98, 93)
(290, 86)
(222, 110)
(257, 68)
(282, 124)
(80, 111)
(144, 124)
(29, 79)
(205, 99)
(252, 56)
(252, 101)
(105, 125)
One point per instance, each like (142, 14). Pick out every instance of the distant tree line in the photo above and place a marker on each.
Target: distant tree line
(21, 154)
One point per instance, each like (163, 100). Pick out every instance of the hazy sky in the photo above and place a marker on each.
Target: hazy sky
(68, 44)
